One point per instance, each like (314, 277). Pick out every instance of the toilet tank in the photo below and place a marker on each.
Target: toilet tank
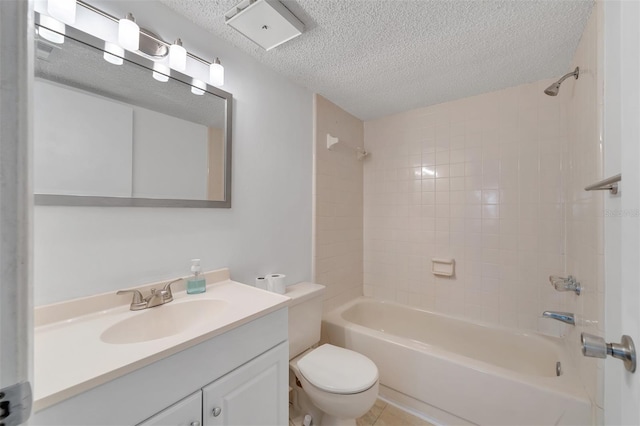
(305, 316)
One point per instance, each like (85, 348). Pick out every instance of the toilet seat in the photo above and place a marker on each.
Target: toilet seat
(338, 370)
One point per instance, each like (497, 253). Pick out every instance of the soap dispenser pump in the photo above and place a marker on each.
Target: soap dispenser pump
(196, 283)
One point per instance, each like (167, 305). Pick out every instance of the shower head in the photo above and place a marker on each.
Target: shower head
(555, 87)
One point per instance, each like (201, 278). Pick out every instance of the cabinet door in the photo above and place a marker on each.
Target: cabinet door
(251, 395)
(187, 412)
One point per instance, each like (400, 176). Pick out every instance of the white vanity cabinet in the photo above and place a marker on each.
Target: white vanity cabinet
(187, 412)
(250, 395)
(243, 371)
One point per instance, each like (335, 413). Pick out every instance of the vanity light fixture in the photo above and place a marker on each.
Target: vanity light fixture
(141, 41)
(177, 56)
(62, 10)
(161, 72)
(51, 29)
(216, 73)
(198, 87)
(113, 53)
(129, 33)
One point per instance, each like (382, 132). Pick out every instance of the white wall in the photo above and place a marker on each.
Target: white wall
(82, 251)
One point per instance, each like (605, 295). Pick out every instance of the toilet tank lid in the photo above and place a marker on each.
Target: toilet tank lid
(303, 291)
(338, 370)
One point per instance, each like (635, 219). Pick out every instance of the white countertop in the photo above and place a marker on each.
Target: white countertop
(70, 357)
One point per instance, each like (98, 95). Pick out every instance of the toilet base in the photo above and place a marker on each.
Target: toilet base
(301, 405)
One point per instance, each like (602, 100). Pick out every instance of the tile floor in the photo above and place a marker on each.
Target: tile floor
(383, 414)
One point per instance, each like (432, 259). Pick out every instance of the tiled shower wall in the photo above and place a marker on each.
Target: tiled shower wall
(478, 180)
(337, 197)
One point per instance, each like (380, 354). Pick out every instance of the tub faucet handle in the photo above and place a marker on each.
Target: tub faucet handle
(565, 284)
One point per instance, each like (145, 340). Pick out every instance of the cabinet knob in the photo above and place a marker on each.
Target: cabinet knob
(196, 423)
(216, 411)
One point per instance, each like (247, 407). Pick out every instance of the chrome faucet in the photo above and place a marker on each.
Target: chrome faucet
(156, 298)
(566, 317)
(565, 284)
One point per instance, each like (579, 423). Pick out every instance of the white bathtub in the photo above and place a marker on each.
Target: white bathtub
(457, 372)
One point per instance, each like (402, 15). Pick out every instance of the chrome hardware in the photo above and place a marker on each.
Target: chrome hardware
(565, 317)
(166, 291)
(156, 298)
(15, 404)
(196, 423)
(596, 347)
(558, 369)
(608, 184)
(138, 302)
(565, 284)
(216, 411)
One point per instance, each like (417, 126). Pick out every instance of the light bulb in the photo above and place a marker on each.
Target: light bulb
(198, 87)
(62, 10)
(113, 53)
(161, 72)
(129, 33)
(177, 56)
(51, 29)
(216, 73)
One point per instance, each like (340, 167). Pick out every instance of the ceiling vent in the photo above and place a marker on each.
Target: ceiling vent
(268, 23)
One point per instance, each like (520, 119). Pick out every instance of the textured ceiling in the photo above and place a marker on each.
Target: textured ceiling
(375, 58)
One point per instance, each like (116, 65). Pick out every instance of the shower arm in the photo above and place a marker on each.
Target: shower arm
(575, 73)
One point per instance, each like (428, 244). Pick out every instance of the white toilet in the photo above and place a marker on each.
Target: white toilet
(341, 384)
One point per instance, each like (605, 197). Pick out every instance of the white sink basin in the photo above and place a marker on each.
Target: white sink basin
(163, 321)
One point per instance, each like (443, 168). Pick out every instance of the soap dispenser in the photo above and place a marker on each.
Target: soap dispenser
(196, 283)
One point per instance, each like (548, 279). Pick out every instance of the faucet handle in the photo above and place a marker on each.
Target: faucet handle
(167, 295)
(138, 301)
(565, 284)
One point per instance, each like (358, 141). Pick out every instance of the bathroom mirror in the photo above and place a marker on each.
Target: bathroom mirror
(128, 134)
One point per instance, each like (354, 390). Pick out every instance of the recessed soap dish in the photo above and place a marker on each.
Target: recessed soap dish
(443, 267)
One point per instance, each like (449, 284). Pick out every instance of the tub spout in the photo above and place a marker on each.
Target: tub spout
(565, 317)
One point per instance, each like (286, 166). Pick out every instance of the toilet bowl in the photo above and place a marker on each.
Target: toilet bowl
(340, 384)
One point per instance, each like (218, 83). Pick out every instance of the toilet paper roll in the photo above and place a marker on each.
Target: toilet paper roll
(276, 283)
(261, 283)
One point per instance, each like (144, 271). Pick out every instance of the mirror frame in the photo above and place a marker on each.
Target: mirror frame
(96, 201)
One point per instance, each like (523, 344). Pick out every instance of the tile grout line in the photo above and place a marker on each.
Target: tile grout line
(379, 415)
